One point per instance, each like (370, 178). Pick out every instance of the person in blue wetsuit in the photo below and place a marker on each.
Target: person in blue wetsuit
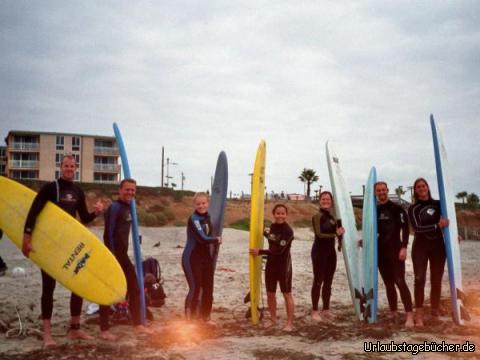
(279, 264)
(118, 221)
(198, 262)
(428, 246)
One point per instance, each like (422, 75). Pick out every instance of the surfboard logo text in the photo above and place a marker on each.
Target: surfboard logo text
(81, 263)
(73, 256)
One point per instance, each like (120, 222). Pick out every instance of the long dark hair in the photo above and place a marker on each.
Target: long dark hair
(415, 197)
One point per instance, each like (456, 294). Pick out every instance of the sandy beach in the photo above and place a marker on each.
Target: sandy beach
(234, 336)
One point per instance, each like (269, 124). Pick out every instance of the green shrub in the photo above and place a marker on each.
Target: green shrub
(160, 219)
(242, 224)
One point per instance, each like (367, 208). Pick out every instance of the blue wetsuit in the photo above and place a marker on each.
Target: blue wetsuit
(199, 266)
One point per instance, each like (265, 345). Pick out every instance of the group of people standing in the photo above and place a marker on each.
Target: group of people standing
(393, 233)
(199, 256)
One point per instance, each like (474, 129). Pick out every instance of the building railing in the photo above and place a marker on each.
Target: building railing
(23, 164)
(24, 146)
(115, 168)
(105, 181)
(103, 150)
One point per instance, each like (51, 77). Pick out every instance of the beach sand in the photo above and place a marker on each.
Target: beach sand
(233, 337)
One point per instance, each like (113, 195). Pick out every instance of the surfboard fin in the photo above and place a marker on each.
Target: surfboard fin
(464, 313)
(461, 295)
(246, 299)
(369, 295)
(361, 297)
(367, 313)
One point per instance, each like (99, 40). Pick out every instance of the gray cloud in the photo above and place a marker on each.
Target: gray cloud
(203, 77)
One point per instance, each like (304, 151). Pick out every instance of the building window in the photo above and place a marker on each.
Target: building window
(60, 142)
(77, 158)
(77, 175)
(76, 143)
(58, 159)
(57, 174)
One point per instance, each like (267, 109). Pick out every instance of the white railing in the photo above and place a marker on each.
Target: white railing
(23, 164)
(106, 150)
(25, 146)
(105, 181)
(107, 167)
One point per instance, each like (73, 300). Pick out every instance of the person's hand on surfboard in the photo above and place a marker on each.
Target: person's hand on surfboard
(402, 255)
(443, 223)
(27, 245)
(254, 252)
(98, 208)
(360, 243)
(340, 231)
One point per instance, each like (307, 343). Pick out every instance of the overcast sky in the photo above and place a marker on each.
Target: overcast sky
(201, 77)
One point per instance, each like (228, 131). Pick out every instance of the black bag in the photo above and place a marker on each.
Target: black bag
(155, 295)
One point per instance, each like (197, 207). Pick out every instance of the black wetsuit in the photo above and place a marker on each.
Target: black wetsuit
(199, 266)
(117, 229)
(3, 266)
(392, 220)
(428, 245)
(324, 257)
(70, 198)
(279, 261)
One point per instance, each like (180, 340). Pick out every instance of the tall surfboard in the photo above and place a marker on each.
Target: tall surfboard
(370, 248)
(135, 232)
(62, 247)
(256, 230)
(344, 210)
(450, 233)
(218, 200)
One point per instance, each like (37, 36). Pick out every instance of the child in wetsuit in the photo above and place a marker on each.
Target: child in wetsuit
(279, 264)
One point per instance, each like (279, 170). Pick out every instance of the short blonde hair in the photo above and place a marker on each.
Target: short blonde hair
(200, 194)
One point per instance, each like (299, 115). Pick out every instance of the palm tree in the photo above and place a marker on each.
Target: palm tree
(399, 191)
(308, 176)
(462, 195)
(473, 200)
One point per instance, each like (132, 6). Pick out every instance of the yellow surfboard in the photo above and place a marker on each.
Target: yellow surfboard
(256, 230)
(62, 247)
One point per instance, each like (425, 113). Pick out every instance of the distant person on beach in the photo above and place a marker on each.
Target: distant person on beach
(428, 246)
(279, 265)
(118, 221)
(324, 258)
(198, 262)
(3, 266)
(68, 196)
(392, 250)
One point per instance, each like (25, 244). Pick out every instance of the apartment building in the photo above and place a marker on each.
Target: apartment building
(37, 156)
(3, 160)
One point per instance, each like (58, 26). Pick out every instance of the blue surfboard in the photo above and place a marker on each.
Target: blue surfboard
(218, 200)
(450, 233)
(135, 232)
(370, 249)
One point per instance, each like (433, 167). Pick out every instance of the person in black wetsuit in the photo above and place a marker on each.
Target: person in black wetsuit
(392, 250)
(198, 262)
(68, 196)
(3, 266)
(279, 264)
(428, 246)
(117, 230)
(324, 258)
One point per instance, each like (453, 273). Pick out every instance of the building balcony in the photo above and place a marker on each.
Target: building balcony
(106, 168)
(106, 151)
(23, 164)
(105, 181)
(18, 146)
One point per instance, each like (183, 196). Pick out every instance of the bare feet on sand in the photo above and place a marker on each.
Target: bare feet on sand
(107, 335)
(419, 318)
(327, 315)
(288, 327)
(79, 335)
(316, 316)
(142, 329)
(48, 341)
(409, 323)
(268, 324)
